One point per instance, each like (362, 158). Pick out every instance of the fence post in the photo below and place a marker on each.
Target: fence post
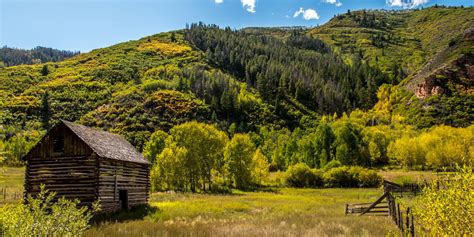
(392, 208)
(412, 227)
(389, 206)
(401, 223)
(347, 207)
(408, 219)
(399, 215)
(395, 213)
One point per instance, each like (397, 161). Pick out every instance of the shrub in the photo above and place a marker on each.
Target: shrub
(351, 177)
(41, 217)
(369, 179)
(340, 177)
(301, 176)
(276, 179)
(449, 210)
(332, 164)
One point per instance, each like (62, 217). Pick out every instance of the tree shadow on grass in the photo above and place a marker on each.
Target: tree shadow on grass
(135, 213)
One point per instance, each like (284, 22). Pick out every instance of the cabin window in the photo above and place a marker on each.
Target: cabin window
(58, 144)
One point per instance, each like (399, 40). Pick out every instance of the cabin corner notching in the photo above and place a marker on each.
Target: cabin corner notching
(76, 161)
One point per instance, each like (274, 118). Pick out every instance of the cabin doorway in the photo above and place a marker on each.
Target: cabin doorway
(123, 197)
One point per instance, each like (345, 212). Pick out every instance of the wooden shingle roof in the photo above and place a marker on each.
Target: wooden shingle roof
(107, 145)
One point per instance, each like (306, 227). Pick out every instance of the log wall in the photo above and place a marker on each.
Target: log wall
(71, 177)
(118, 175)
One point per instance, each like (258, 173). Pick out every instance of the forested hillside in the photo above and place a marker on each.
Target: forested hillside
(340, 91)
(13, 56)
(428, 53)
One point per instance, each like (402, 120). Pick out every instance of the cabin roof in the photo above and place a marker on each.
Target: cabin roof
(107, 145)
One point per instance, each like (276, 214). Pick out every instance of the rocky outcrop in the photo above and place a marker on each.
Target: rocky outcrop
(440, 75)
(428, 88)
(459, 73)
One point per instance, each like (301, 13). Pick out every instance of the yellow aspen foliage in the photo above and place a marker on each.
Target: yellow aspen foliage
(446, 208)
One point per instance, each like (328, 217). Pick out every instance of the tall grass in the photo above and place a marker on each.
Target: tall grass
(282, 212)
(286, 212)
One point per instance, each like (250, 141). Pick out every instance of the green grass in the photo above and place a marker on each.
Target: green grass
(285, 212)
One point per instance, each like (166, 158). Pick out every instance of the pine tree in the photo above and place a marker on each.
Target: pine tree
(173, 37)
(45, 70)
(45, 111)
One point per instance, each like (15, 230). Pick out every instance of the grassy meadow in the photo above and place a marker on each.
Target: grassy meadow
(276, 212)
(283, 212)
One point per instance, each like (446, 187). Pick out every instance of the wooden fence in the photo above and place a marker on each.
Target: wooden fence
(378, 207)
(400, 190)
(402, 218)
(386, 205)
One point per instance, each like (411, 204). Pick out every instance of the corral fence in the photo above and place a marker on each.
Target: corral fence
(386, 205)
(400, 190)
(402, 218)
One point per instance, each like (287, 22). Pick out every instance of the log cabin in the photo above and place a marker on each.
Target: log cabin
(88, 164)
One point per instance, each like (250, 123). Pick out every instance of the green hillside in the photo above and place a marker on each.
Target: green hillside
(256, 77)
(397, 41)
(428, 53)
(131, 88)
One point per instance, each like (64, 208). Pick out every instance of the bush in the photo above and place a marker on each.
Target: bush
(449, 210)
(369, 179)
(42, 217)
(340, 177)
(332, 164)
(301, 176)
(351, 177)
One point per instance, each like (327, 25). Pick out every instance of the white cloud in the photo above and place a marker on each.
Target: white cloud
(219, 1)
(308, 14)
(406, 3)
(337, 3)
(249, 5)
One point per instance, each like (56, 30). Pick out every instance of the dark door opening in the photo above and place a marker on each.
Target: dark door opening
(123, 197)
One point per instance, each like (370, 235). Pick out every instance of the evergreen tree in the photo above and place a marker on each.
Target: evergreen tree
(173, 37)
(45, 111)
(45, 70)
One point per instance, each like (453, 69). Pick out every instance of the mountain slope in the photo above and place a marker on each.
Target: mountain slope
(253, 77)
(430, 52)
(131, 88)
(396, 41)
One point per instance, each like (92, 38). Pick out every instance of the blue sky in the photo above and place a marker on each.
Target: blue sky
(87, 24)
